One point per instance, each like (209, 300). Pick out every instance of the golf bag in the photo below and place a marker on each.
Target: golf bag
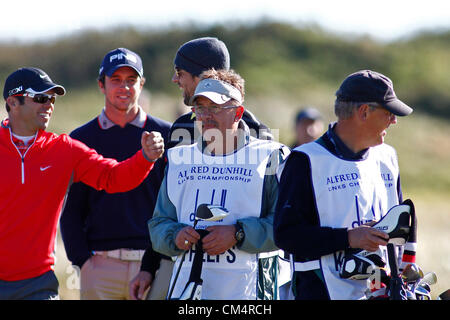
(396, 289)
(406, 280)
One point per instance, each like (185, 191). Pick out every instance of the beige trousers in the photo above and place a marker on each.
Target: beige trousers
(160, 286)
(104, 278)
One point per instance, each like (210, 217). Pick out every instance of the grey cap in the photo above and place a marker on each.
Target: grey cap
(217, 91)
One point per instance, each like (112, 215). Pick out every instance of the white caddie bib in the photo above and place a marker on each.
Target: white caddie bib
(234, 181)
(349, 194)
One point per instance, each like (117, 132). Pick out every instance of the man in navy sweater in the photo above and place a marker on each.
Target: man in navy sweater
(106, 234)
(330, 189)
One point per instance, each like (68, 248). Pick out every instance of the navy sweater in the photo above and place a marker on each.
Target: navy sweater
(97, 221)
(296, 222)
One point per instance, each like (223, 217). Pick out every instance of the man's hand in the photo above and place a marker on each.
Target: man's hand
(367, 238)
(219, 239)
(139, 284)
(152, 145)
(186, 237)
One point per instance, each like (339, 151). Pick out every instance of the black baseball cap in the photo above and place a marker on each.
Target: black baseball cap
(371, 86)
(32, 80)
(118, 58)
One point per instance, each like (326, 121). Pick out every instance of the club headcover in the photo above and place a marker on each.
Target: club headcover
(396, 223)
(361, 264)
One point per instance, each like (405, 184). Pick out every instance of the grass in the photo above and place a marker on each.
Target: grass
(422, 143)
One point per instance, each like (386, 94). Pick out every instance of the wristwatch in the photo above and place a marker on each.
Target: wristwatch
(240, 234)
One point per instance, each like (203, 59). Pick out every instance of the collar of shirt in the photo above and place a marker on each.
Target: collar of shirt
(5, 123)
(243, 138)
(139, 121)
(22, 143)
(341, 150)
(25, 141)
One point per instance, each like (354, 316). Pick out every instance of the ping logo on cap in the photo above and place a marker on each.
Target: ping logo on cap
(121, 56)
(118, 58)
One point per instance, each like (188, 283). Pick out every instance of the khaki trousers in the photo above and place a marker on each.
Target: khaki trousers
(104, 278)
(160, 286)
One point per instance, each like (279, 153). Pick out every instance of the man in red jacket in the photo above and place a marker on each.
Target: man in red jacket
(37, 167)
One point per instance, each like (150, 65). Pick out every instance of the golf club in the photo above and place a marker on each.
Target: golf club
(415, 284)
(204, 212)
(421, 293)
(411, 273)
(410, 295)
(430, 278)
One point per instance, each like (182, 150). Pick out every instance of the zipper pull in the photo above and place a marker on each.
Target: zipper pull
(23, 171)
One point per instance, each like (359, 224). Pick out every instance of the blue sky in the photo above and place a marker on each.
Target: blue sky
(382, 19)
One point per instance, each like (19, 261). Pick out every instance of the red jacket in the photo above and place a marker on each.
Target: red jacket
(33, 190)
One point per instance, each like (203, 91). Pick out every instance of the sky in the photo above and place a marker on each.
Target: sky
(385, 20)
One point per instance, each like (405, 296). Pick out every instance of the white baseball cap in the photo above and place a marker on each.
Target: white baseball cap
(217, 91)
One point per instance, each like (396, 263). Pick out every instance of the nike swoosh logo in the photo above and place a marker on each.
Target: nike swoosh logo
(44, 168)
(43, 77)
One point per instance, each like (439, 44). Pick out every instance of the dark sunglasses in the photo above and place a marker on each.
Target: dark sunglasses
(38, 97)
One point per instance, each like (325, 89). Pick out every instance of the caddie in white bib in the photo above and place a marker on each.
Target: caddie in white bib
(230, 169)
(350, 194)
(233, 181)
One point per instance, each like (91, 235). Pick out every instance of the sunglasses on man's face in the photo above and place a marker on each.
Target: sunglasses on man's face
(38, 97)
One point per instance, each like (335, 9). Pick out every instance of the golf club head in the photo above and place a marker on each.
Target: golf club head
(444, 295)
(411, 273)
(410, 295)
(430, 278)
(422, 294)
(425, 286)
(210, 212)
(396, 224)
(420, 271)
